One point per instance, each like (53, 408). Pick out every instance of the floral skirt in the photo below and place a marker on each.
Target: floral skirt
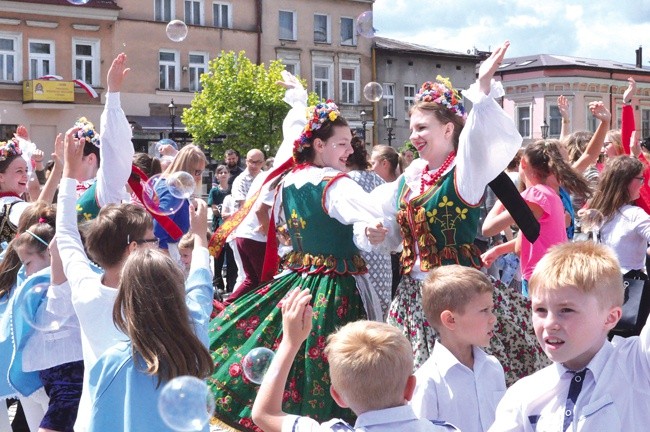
(255, 320)
(514, 343)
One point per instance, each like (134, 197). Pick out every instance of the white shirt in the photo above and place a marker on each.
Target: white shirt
(628, 233)
(248, 228)
(401, 418)
(615, 395)
(447, 389)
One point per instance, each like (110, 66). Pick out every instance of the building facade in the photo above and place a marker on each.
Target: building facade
(533, 84)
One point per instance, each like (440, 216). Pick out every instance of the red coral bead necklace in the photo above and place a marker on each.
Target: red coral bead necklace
(428, 179)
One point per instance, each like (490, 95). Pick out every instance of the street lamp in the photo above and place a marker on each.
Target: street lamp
(389, 124)
(364, 119)
(172, 115)
(545, 128)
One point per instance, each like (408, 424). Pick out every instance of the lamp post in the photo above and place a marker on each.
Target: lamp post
(545, 128)
(172, 116)
(364, 119)
(389, 124)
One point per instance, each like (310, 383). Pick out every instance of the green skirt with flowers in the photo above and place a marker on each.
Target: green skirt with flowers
(255, 320)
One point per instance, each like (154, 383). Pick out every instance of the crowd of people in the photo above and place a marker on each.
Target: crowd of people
(395, 289)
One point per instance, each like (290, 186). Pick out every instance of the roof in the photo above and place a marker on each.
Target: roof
(97, 4)
(387, 44)
(155, 123)
(540, 61)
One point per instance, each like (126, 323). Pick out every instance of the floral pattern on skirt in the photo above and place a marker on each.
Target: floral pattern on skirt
(514, 343)
(255, 320)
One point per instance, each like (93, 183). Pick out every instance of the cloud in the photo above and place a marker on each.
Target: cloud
(584, 28)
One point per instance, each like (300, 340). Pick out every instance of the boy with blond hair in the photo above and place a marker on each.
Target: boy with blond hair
(593, 384)
(370, 366)
(459, 382)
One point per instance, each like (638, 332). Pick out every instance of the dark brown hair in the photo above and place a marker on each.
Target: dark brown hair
(612, 192)
(325, 132)
(359, 157)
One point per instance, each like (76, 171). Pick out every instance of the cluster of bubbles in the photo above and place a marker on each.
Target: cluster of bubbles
(185, 403)
(256, 363)
(35, 312)
(180, 186)
(373, 91)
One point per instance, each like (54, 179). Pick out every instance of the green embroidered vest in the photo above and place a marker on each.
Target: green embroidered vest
(87, 207)
(321, 244)
(440, 223)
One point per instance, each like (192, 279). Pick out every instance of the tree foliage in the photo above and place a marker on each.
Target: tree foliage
(240, 106)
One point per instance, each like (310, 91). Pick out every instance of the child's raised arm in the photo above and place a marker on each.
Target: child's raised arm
(296, 326)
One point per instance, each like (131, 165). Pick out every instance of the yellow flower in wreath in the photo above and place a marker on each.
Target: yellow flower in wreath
(462, 213)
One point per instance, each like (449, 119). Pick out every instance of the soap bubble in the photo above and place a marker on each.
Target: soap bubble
(256, 363)
(364, 25)
(591, 221)
(186, 404)
(153, 190)
(33, 308)
(78, 2)
(181, 184)
(176, 30)
(162, 144)
(373, 91)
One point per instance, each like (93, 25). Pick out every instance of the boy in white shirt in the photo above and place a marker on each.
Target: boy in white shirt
(370, 367)
(459, 382)
(593, 384)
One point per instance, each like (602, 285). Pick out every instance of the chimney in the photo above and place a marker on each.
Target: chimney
(639, 57)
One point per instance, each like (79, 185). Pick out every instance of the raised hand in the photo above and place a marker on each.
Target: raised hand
(599, 111)
(563, 106)
(73, 154)
(199, 221)
(296, 316)
(490, 65)
(630, 91)
(57, 156)
(289, 81)
(116, 73)
(21, 132)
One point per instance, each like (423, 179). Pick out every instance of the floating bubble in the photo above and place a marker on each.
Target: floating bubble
(364, 25)
(373, 91)
(181, 184)
(33, 308)
(79, 2)
(164, 144)
(157, 198)
(185, 404)
(176, 30)
(256, 363)
(591, 221)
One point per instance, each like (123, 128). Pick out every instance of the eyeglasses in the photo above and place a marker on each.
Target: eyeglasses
(641, 178)
(155, 241)
(198, 172)
(257, 162)
(606, 143)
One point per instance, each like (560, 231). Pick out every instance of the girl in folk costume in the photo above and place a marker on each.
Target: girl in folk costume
(13, 184)
(320, 204)
(437, 203)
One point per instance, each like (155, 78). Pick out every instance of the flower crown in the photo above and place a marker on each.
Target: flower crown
(9, 148)
(87, 131)
(443, 93)
(317, 115)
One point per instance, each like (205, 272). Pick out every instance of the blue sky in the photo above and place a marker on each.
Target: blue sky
(599, 29)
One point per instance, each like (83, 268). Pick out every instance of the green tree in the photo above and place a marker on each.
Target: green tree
(241, 103)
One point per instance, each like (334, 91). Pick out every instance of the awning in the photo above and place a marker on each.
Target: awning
(155, 123)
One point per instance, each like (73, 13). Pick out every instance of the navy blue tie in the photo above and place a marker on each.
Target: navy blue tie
(574, 390)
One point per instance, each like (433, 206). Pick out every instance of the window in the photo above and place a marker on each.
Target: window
(222, 15)
(349, 83)
(347, 32)
(198, 66)
(194, 12)
(10, 63)
(592, 122)
(523, 120)
(323, 80)
(86, 61)
(163, 10)
(287, 25)
(409, 100)
(168, 62)
(389, 99)
(645, 123)
(41, 58)
(321, 28)
(554, 121)
(291, 61)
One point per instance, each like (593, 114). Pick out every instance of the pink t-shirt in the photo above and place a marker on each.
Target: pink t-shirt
(552, 230)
